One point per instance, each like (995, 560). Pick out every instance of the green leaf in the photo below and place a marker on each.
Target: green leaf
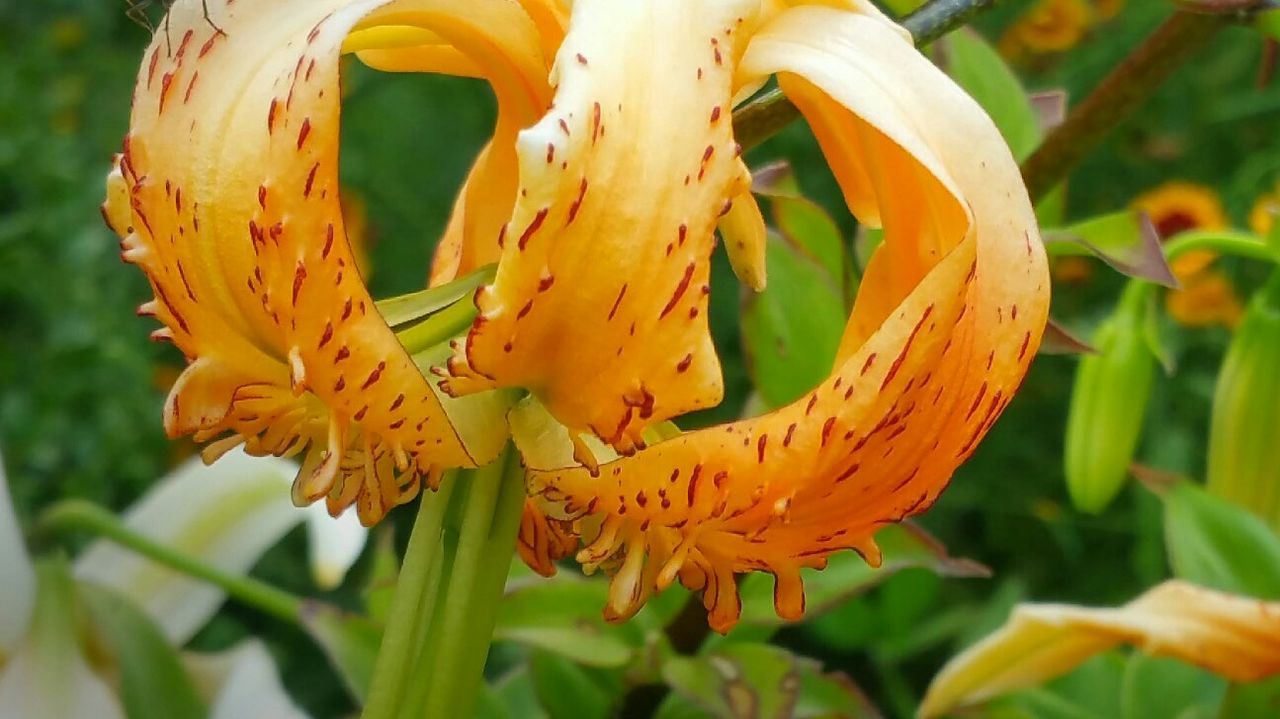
(1256, 700)
(563, 616)
(747, 680)
(831, 695)
(737, 680)
(791, 330)
(381, 585)
(1091, 691)
(1268, 23)
(153, 682)
(1159, 688)
(979, 69)
(350, 641)
(808, 228)
(1125, 240)
(569, 691)
(847, 575)
(511, 696)
(1214, 543)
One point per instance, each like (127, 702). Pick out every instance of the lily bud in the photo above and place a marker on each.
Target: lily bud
(1244, 434)
(1108, 404)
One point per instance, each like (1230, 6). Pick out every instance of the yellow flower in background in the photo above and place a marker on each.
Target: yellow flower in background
(1262, 216)
(1178, 206)
(1107, 9)
(610, 169)
(1206, 298)
(1048, 26)
(1072, 270)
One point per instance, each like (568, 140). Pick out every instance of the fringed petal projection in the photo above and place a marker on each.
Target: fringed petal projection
(599, 305)
(226, 195)
(949, 315)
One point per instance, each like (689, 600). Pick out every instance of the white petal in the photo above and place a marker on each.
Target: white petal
(18, 588)
(243, 683)
(334, 544)
(227, 515)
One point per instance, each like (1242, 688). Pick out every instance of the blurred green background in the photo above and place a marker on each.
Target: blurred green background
(81, 386)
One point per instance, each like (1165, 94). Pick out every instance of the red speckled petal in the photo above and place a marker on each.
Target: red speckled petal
(226, 195)
(599, 305)
(947, 319)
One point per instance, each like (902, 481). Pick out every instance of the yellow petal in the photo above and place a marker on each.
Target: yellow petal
(947, 319)
(599, 305)
(226, 195)
(1178, 206)
(1205, 299)
(1237, 637)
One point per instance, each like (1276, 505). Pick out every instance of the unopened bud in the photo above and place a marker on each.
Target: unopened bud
(1244, 433)
(1108, 404)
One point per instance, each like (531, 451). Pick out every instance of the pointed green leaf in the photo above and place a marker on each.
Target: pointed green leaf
(1125, 240)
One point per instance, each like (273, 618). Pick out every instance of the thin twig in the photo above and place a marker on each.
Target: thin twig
(1130, 84)
(761, 119)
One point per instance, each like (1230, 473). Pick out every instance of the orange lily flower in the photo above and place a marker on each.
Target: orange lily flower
(611, 168)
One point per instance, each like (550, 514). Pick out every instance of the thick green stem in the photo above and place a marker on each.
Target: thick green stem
(79, 515)
(1237, 244)
(451, 663)
(431, 662)
(762, 118)
(1124, 90)
(411, 607)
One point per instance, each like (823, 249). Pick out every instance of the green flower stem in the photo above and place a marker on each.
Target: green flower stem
(765, 116)
(451, 663)
(412, 606)
(1223, 242)
(491, 583)
(79, 515)
(1237, 244)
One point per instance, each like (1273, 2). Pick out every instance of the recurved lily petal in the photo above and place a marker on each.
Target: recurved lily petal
(948, 317)
(1237, 637)
(226, 195)
(599, 305)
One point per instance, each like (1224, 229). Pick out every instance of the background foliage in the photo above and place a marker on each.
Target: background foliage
(81, 387)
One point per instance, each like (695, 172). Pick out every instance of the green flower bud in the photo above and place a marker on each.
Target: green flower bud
(1244, 434)
(1108, 403)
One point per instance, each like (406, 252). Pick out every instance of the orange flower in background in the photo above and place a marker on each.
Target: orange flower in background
(599, 195)
(1048, 26)
(1178, 206)
(1206, 297)
(1262, 216)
